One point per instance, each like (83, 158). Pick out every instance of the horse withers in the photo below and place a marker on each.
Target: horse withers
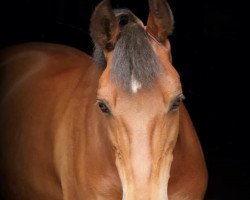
(73, 129)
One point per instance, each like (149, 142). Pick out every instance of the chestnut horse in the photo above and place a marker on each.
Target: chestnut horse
(72, 129)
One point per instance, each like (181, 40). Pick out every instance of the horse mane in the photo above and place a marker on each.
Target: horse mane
(133, 56)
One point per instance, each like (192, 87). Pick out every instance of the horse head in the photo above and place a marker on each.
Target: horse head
(139, 95)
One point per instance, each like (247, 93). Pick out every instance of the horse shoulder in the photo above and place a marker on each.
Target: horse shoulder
(42, 86)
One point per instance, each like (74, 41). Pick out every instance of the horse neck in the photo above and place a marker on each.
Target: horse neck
(82, 144)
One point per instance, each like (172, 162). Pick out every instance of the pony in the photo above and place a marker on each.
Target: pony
(108, 127)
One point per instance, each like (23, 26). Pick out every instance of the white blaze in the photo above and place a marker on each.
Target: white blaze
(135, 85)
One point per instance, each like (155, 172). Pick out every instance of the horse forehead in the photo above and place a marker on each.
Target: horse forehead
(141, 103)
(161, 91)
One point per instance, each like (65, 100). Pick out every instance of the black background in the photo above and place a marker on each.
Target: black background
(206, 47)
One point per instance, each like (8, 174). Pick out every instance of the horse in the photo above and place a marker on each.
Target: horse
(108, 127)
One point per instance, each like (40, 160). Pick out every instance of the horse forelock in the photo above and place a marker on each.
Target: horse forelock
(134, 60)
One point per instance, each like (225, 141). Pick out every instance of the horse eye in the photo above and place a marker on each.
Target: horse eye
(104, 108)
(176, 103)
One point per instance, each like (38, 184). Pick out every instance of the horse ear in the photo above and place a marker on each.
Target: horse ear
(160, 20)
(104, 27)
